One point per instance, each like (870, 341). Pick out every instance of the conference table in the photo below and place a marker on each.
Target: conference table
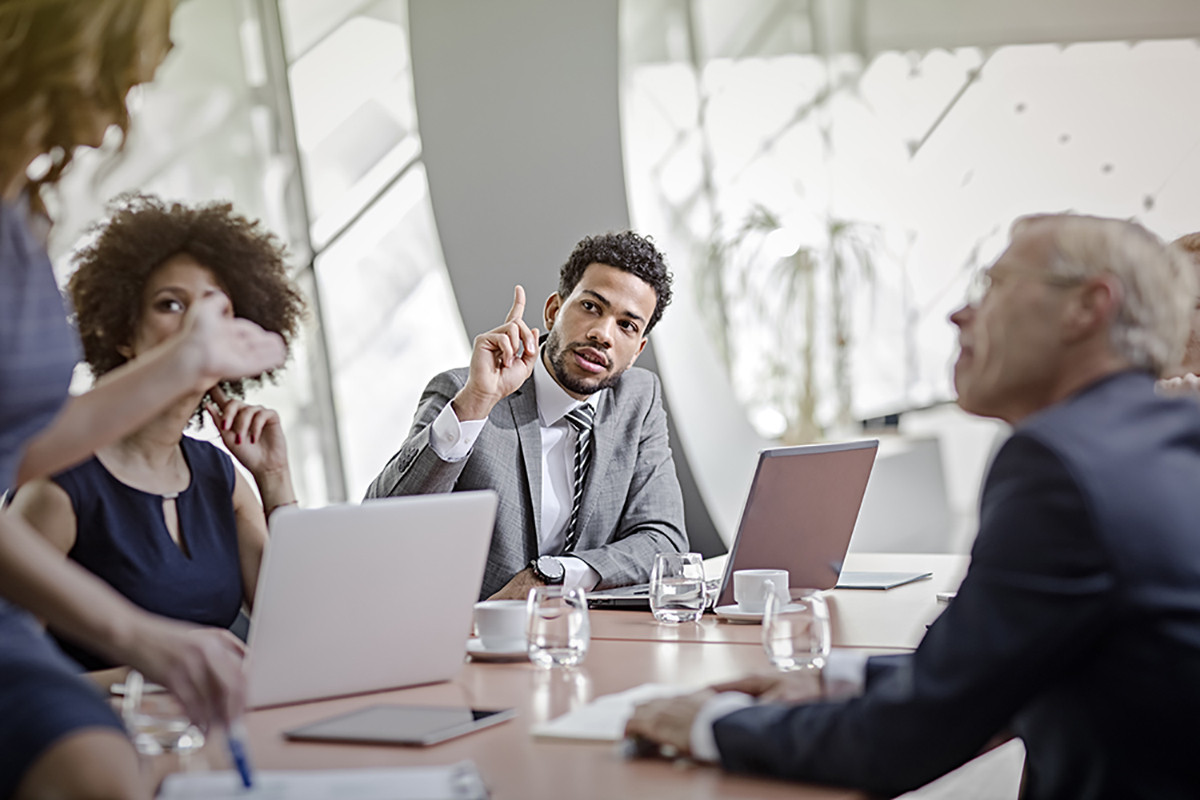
(628, 648)
(892, 619)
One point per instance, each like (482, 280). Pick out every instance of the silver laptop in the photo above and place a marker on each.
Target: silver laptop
(799, 516)
(359, 598)
(800, 513)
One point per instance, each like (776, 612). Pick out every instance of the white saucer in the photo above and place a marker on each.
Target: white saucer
(734, 613)
(478, 652)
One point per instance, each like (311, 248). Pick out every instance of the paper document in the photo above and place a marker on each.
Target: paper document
(459, 781)
(603, 719)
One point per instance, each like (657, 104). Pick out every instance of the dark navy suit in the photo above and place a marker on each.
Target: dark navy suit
(1077, 626)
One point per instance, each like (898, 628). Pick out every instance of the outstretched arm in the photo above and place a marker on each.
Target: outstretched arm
(210, 347)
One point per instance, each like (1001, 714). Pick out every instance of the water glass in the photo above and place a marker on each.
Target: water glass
(156, 721)
(677, 587)
(558, 627)
(796, 635)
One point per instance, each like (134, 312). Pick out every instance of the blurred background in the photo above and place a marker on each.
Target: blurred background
(823, 175)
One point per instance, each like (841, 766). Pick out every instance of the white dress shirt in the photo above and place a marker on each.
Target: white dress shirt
(453, 439)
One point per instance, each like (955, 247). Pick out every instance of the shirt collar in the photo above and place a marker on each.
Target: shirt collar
(552, 400)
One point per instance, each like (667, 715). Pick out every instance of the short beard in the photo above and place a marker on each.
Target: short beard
(556, 355)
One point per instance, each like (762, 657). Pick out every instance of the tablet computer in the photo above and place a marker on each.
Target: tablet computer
(406, 725)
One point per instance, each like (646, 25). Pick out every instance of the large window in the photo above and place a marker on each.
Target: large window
(833, 199)
(388, 310)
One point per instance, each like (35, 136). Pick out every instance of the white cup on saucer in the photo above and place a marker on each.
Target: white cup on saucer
(501, 624)
(752, 586)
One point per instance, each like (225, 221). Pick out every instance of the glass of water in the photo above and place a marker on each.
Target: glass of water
(155, 720)
(796, 634)
(558, 627)
(677, 587)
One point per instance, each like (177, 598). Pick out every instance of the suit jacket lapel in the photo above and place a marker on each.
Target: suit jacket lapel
(523, 403)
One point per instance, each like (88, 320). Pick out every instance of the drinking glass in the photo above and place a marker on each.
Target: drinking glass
(677, 587)
(156, 721)
(559, 631)
(796, 635)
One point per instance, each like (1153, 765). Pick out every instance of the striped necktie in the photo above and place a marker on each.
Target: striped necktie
(580, 418)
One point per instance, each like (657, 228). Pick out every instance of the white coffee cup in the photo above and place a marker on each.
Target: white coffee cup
(501, 624)
(751, 586)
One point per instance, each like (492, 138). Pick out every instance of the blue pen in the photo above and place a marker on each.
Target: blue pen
(237, 748)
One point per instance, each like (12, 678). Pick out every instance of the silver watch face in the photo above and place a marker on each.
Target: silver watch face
(551, 568)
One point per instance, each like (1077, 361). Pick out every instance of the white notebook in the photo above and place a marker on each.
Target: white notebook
(603, 719)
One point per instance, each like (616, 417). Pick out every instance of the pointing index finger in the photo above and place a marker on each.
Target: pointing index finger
(518, 307)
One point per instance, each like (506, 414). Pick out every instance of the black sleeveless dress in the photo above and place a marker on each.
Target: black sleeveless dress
(121, 536)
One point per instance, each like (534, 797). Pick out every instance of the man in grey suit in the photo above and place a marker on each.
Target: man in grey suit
(572, 439)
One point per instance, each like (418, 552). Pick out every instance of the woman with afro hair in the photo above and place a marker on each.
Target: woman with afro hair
(163, 517)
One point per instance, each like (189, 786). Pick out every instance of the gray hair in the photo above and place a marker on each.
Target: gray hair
(1158, 283)
(1189, 245)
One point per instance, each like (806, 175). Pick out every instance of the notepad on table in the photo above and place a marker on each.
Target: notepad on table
(603, 719)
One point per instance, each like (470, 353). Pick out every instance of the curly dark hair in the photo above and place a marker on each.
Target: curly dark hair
(141, 233)
(626, 251)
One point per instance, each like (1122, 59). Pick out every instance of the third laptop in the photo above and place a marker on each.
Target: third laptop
(799, 516)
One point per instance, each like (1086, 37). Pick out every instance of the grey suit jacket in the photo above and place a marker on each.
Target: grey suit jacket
(631, 507)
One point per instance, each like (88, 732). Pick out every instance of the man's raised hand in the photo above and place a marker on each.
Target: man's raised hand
(502, 359)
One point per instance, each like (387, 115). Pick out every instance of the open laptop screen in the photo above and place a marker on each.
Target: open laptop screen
(800, 513)
(356, 598)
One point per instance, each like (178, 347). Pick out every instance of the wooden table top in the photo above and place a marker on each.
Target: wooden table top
(866, 618)
(627, 649)
(513, 763)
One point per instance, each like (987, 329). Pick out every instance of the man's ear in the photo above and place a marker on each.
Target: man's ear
(1094, 308)
(125, 351)
(641, 347)
(550, 313)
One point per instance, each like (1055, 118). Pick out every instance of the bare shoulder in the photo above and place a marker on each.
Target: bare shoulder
(48, 509)
(41, 496)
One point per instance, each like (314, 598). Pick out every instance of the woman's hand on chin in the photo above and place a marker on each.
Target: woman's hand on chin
(253, 434)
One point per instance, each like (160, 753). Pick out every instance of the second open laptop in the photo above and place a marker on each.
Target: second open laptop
(359, 598)
(798, 516)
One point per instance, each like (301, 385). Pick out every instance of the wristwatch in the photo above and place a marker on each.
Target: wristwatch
(548, 569)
